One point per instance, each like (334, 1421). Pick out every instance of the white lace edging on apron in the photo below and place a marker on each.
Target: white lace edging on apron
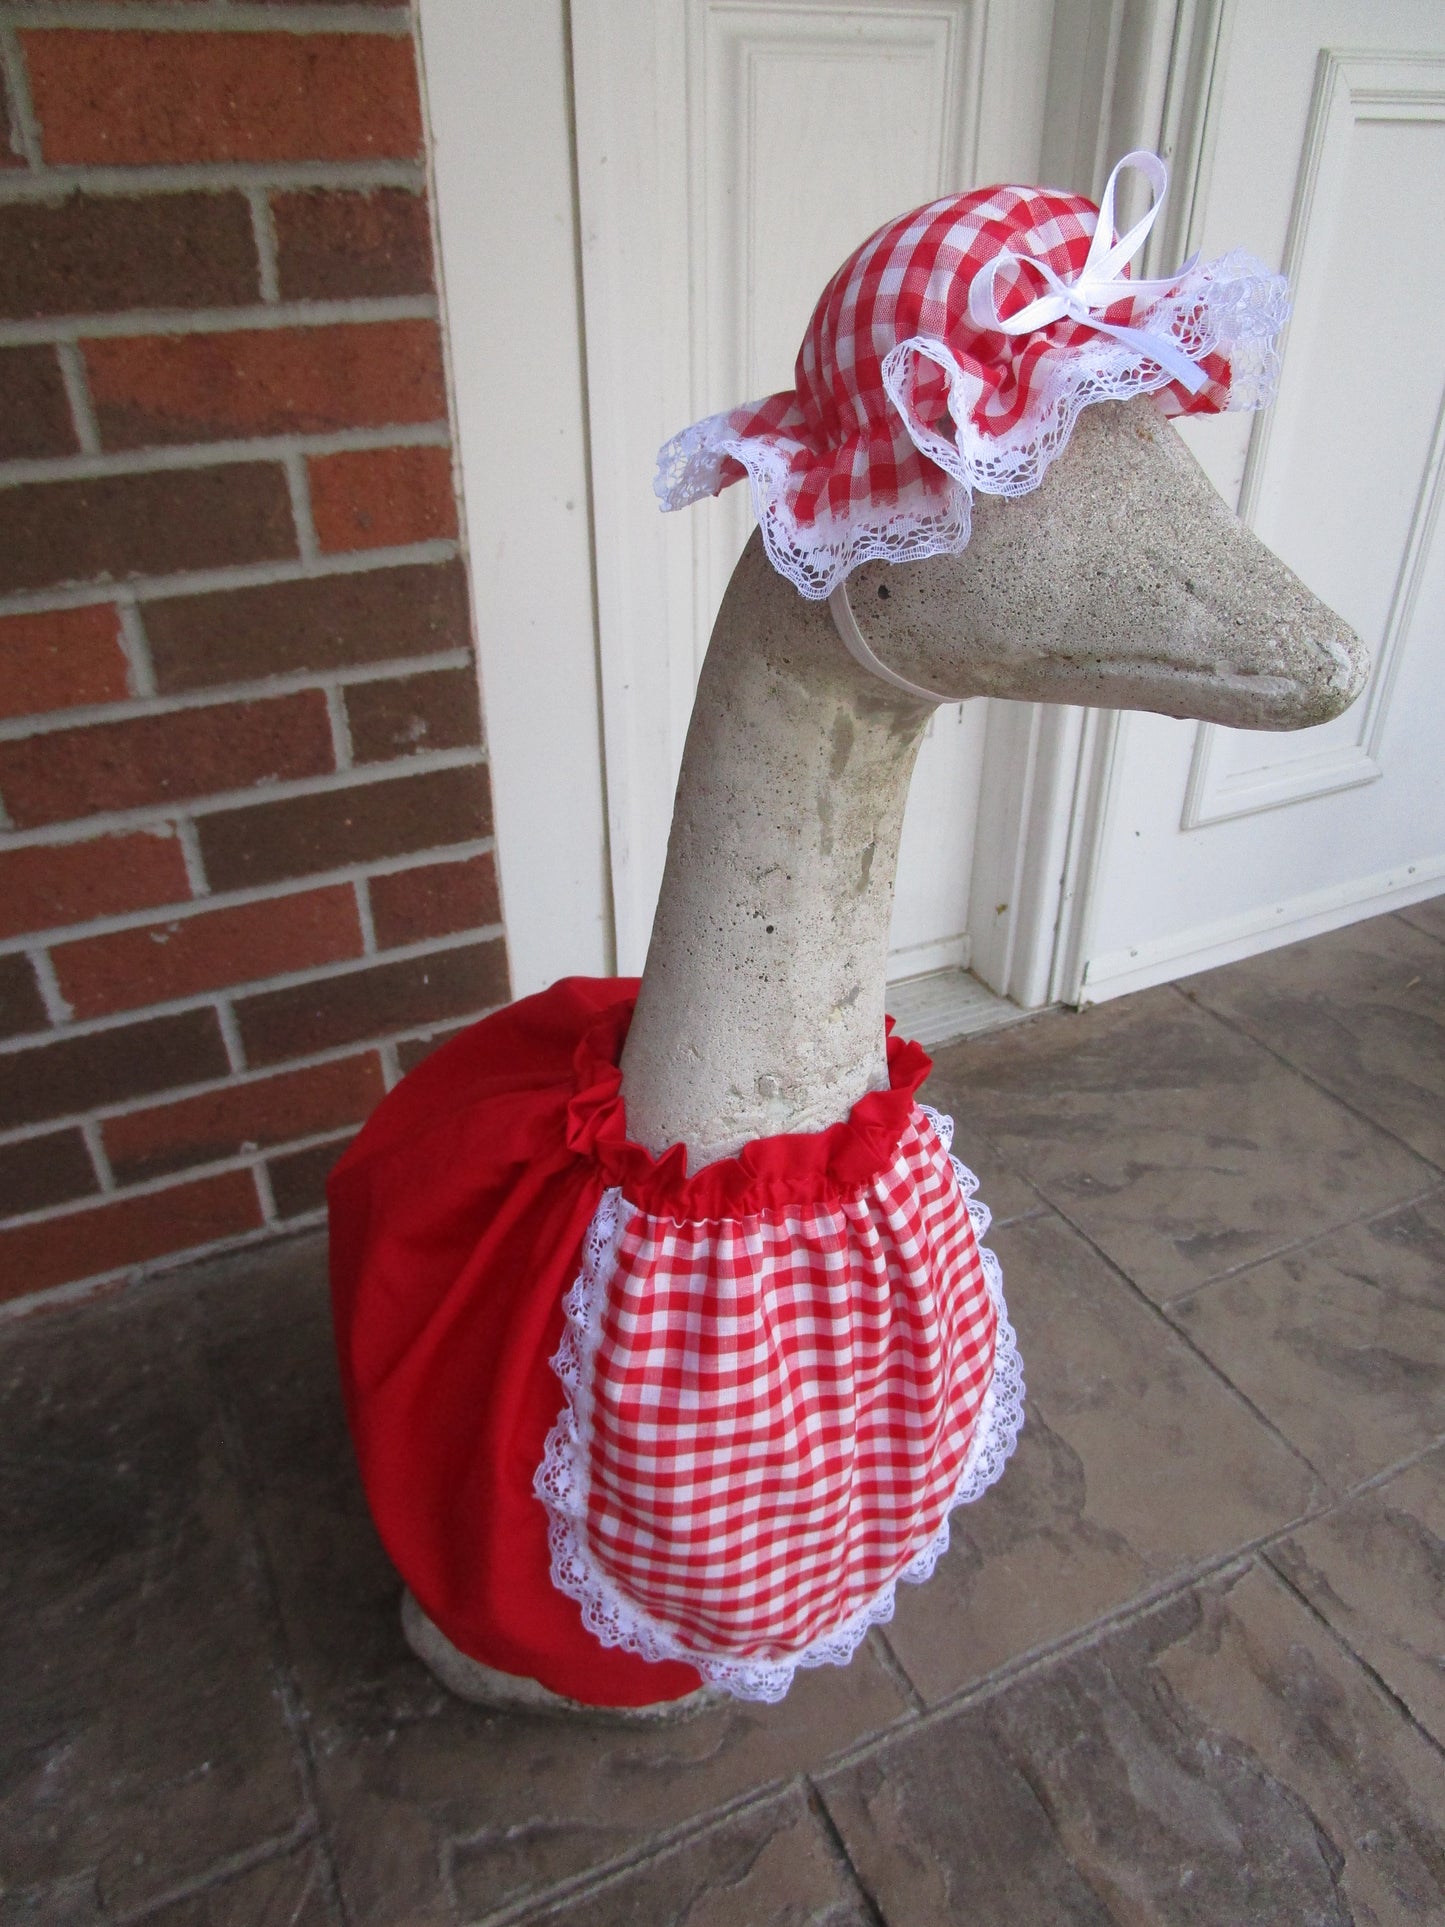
(561, 1481)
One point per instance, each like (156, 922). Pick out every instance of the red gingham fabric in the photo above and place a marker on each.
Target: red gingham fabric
(902, 404)
(465, 1220)
(775, 1412)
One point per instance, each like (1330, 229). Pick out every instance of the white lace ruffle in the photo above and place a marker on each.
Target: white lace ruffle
(1235, 307)
(561, 1479)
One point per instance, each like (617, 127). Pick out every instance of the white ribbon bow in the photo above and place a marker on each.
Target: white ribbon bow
(1098, 284)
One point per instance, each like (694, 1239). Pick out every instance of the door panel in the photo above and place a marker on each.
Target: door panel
(729, 157)
(1328, 143)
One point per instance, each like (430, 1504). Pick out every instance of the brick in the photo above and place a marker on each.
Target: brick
(327, 622)
(38, 1172)
(336, 246)
(114, 526)
(137, 99)
(100, 253)
(160, 962)
(437, 900)
(412, 1050)
(35, 420)
(129, 1231)
(298, 1180)
(240, 1117)
(278, 1024)
(22, 1007)
(79, 1074)
(50, 885)
(150, 390)
(382, 497)
(70, 773)
(271, 842)
(405, 715)
(61, 659)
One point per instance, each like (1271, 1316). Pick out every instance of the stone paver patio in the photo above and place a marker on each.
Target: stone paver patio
(1186, 1664)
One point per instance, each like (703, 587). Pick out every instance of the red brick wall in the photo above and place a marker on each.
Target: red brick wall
(245, 852)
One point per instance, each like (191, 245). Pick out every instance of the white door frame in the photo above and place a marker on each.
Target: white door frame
(1122, 74)
(561, 597)
(497, 87)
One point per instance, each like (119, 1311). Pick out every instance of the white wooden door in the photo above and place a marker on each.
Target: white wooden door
(730, 154)
(1324, 153)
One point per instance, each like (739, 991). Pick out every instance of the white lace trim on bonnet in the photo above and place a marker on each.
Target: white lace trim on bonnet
(1228, 312)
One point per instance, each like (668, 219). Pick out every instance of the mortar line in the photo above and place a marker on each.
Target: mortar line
(119, 1191)
(135, 647)
(1040, 1658)
(49, 722)
(195, 863)
(388, 23)
(248, 992)
(263, 232)
(230, 1031)
(57, 1006)
(283, 1666)
(892, 1665)
(265, 1195)
(1419, 928)
(1260, 1043)
(23, 122)
(78, 1291)
(336, 716)
(1161, 1314)
(1306, 1242)
(95, 1145)
(101, 822)
(390, 1064)
(833, 1838)
(1366, 1666)
(244, 318)
(228, 1868)
(364, 916)
(606, 1873)
(1202, 1572)
(166, 457)
(57, 180)
(77, 394)
(99, 1157)
(202, 904)
(242, 575)
(298, 486)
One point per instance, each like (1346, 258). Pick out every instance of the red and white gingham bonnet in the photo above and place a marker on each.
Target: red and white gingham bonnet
(953, 351)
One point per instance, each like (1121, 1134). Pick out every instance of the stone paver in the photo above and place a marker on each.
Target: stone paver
(776, 1865)
(1375, 1570)
(141, 1736)
(1135, 1462)
(1182, 1665)
(1179, 1146)
(1223, 1759)
(1341, 1345)
(1362, 1010)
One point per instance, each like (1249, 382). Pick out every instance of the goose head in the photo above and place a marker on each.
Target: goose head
(1123, 582)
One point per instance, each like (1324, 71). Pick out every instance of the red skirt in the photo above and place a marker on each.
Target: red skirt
(623, 1430)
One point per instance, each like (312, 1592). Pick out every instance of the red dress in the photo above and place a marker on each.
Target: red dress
(623, 1430)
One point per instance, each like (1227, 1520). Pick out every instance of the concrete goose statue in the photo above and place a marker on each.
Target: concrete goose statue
(667, 1336)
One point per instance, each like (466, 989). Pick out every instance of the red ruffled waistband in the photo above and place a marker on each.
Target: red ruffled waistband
(805, 1167)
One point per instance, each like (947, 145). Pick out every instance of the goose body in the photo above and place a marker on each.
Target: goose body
(555, 1240)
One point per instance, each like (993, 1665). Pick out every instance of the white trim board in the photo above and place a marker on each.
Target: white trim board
(944, 1005)
(1207, 946)
(495, 80)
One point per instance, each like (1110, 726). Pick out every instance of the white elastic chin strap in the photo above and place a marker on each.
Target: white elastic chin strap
(846, 623)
